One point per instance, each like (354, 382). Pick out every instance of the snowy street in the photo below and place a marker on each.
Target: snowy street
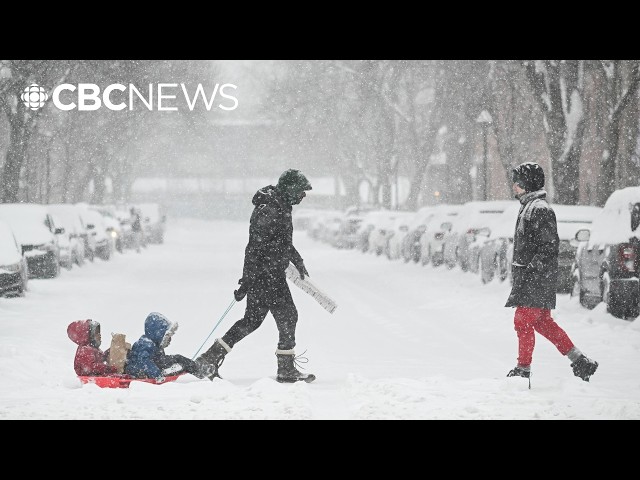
(406, 341)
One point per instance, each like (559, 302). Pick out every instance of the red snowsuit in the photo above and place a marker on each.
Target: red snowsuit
(89, 359)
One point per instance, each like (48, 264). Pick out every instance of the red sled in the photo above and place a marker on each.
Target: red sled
(123, 381)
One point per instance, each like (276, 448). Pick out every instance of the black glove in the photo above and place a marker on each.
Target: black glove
(302, 270)
(241, 292)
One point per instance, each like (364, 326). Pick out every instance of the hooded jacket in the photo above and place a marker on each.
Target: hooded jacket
(270, 247)
(535, 254)
(145, 354)
(89, 359)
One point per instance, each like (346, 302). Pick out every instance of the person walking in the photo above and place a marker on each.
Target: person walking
(136, 228)
(535, 272)
(264, 283)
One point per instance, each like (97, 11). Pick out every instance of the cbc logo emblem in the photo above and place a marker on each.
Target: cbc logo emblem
(34, 96)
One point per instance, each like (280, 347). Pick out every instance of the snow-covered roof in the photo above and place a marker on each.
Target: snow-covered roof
(9, 251)
(28, 222)
(69, 216)
(477, 214)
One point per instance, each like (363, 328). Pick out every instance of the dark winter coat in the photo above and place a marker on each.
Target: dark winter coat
(147, 358)
(89, 359)
(270, 247)
(535, 254)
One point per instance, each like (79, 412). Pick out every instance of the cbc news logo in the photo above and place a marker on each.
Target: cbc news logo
(34, 97)
(90, 96)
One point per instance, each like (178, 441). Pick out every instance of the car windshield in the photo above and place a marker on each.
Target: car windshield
(9, 253)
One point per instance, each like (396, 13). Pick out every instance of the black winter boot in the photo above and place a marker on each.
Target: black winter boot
(519, 371)
(211, 360)
(287, 371)
(584, 367)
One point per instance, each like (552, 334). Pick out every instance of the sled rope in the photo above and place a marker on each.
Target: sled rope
(233, 302)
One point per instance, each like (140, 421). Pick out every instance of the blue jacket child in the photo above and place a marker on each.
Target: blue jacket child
(147, 358)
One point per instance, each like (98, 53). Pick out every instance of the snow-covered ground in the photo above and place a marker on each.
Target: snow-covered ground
(406, 342)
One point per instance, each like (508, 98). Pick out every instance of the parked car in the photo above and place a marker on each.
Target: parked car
(462, 232)
(114, 228)
(570, 219)
(303, 217)
(14, 272)
(72, 242)
(347, 233)
(369, 221)
(321, 221)
(64, 244)
(99, 237)
(410, 244)
(494, 252)
(432, 240)
(382, 231)
(607, 261)
(153, 221)
(399, 231)
(35, 231)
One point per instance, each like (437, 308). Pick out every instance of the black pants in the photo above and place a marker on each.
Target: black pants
(186, 364)
(272, 295)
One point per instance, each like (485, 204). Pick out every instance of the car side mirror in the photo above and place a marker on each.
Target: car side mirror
(59, 231)
(446, 226)
(583, 235)
(90, 226)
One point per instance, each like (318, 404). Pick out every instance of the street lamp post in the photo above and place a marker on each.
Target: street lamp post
(484, 119)
(49, 136)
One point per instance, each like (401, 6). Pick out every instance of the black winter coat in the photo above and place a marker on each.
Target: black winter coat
(270, 247)
(535, 254)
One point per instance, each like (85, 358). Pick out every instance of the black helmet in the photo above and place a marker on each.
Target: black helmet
(292, 183)
(529, 175)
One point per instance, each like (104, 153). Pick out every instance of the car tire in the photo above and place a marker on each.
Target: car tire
(619, 304)
(486, 272)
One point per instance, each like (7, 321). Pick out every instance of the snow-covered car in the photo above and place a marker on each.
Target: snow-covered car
(13, 265)
(369, 221)
(494, 262)
(410, 245)
(399, 231)
(64, 244)
(320, 223)
(347, 233)
(382, 231)
(154, 221)
(570, 219)
(97, 231)
(303, 217)
(114, 227)
(607, 264)
(432, 240)
(331, 228)
(473, 216)
(72, 246)
(35, 231)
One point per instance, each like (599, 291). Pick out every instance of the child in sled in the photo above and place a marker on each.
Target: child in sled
(89, 359)
(147, 358)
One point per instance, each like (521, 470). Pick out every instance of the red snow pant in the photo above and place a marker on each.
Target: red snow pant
(527, 321)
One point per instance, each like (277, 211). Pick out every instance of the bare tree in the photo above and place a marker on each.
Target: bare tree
(15, 76)
(622, 90)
